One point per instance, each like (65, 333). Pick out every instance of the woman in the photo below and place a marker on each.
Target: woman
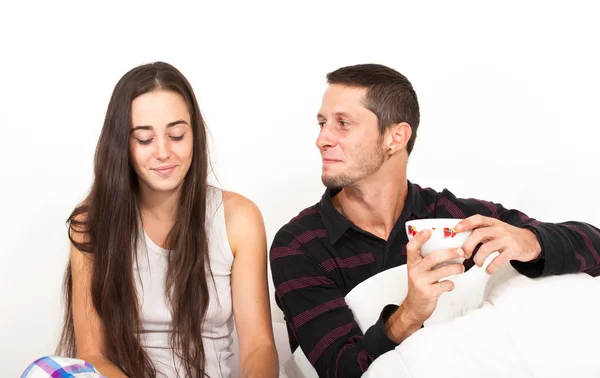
(160, 260)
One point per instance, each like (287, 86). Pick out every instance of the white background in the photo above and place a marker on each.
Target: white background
(508, 92)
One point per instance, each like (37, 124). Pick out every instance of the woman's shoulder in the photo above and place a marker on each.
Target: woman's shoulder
(237, 205)
(242, 216)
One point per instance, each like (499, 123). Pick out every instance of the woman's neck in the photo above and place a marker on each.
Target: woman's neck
(158, 211)
(161, 205)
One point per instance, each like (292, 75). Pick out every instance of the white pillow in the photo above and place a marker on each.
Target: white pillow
(367, 299)
(541, 328)
(491, 349)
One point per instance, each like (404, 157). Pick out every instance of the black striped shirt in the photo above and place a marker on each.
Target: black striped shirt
(320, 256)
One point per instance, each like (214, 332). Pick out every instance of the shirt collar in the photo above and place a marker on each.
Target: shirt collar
(336, 224)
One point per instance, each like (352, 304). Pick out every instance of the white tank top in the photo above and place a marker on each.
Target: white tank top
(156, 316)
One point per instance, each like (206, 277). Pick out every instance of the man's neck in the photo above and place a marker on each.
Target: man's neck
(373, 206)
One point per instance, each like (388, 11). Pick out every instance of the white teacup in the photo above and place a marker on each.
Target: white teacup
(443, 235)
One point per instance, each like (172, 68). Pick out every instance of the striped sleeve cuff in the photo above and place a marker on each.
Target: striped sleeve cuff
(540, 266)
(375, 340)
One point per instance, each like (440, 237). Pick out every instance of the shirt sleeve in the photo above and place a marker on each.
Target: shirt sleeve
(317, 316)
(567, 247)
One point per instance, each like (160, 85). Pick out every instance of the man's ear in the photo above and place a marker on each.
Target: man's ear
(397, 137)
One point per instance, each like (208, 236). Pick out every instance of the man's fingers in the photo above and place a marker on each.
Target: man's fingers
(487, 249)
(445, 271)
(497, 262)
(475, 221)
(478, 236)
(413, 248)
(442, 287)
(441, 256)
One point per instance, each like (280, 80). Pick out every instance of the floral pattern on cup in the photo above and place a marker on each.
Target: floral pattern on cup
(449, 232)
(412, 230)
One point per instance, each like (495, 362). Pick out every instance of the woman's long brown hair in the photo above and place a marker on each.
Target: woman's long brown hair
(109, 219)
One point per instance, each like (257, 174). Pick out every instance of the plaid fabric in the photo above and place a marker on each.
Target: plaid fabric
(60, 367)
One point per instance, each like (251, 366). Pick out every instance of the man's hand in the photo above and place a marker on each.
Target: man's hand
(424, 287)
(512, 242)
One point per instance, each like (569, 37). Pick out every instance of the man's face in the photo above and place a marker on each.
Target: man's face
(349, 141)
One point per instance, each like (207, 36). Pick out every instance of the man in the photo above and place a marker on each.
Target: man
(369, 119)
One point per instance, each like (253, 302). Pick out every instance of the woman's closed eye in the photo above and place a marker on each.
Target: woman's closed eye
(144, 141)
(177, 137)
